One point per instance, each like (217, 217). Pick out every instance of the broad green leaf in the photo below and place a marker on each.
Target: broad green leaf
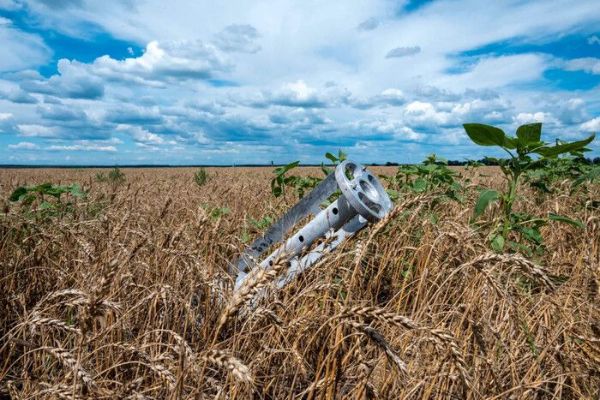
(590, 176)
(27, 199)
(76, 191)
(485, 135)
(341, 155)
(46, 205)
(17, 193)
(529, 133)
(277, 191)
(394, 195)
(563, 148)
(497, 243)
(419, 185)
(485, 198)
(566, 220)
(331, 157)
(532, 234)
(510, 143)
(290, 166)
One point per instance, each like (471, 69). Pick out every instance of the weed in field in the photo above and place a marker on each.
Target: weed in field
(526, 143)
(432, 175)
(200, 177)
(302, 184)
(44, 200)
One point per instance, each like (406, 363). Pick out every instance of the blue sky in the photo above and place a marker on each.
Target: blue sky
(204, 82)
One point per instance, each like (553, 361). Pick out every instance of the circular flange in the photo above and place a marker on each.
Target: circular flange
(363, 190)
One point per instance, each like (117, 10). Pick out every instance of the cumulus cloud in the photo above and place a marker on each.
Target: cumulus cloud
(300, 94)
(238, 38)
(388, 97)
(35, 130)
(18, 96)
(23, 146)
(161, 63)
(527, 118)
(142, 135)
(590, 65)
(164, 61)
(592, 125)
(397, 130)
(72, 81)
(258, 89)
(403, 52)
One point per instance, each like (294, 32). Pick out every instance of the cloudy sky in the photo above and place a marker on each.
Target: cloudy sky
(221, 82)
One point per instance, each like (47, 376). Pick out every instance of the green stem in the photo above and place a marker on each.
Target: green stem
(508, 204)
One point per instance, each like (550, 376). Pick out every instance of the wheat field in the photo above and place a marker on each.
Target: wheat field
(127, 296)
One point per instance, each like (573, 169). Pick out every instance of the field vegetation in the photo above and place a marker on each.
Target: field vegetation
(115, 285)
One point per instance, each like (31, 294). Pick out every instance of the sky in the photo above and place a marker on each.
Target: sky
(87, 82)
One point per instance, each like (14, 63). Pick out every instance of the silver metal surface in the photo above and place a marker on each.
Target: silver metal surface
(363, 199)
(310, 204)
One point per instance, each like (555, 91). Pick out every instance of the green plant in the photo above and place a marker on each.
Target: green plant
(115, 176)
(262, 223)
(100, 177)
(200, 177)
(527, 142)
(571, 168)
(45, 199)
(301, 184)
(432, 174)
(216, 212)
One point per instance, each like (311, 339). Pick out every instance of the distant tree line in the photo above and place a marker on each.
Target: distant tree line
(491, 162)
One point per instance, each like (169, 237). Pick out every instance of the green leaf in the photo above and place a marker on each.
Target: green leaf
(46, 205)
(497, 243)
(76, 191)
(529, 133)
(485, 135)
(563, 148)
(419, 185)
(485, 198)
(331, 157)
(27, 199)
(394, 195)
(510, 143)
(566, 220)
(17, 193)
(531, 234)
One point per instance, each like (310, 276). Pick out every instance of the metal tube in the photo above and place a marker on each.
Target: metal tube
(332, 218)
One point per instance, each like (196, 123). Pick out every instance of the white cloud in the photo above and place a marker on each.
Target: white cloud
(592, 125)
(35, 130)
(236, 75)
(23, 146)
(143, 136)
(594, 39)
(300, 94)
(20, 50)
(238, 38)
(9, 5)
(526, 118)
(79, 147)
(590, 65)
